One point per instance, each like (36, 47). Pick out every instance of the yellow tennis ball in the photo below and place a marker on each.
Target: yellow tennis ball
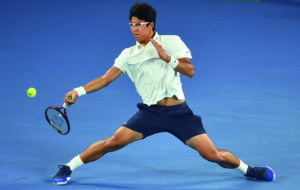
(31, 92)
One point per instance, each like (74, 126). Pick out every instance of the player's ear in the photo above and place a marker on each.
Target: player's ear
(151, 25)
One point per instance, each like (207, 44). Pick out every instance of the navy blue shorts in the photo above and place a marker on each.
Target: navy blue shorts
(178, 120)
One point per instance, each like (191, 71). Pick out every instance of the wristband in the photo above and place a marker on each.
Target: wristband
(173, 63)
(80, 91)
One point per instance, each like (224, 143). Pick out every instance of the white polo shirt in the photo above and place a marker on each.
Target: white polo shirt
(154, 79)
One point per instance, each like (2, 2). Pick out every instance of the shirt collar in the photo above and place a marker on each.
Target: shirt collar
(155, 37)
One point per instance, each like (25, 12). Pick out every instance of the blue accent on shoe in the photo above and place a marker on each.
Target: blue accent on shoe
(271, 173)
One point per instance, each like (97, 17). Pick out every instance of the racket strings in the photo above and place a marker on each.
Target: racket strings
(58, 119)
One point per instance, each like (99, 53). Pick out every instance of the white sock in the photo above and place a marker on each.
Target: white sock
(242, 167)
(75, 163)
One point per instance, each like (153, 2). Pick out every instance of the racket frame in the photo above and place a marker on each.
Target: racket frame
(63, 114)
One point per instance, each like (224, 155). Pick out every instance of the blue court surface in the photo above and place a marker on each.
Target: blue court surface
(246, 88)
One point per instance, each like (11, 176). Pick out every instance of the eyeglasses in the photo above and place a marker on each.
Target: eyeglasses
(137, 24)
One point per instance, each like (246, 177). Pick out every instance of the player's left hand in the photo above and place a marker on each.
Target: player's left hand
(160, 50)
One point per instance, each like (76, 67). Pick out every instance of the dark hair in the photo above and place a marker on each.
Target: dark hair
(143, 11)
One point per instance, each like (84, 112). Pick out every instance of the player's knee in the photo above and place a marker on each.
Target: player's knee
(213, 156)
(113, 144)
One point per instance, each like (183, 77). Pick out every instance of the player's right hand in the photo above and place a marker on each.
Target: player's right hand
(74, 96)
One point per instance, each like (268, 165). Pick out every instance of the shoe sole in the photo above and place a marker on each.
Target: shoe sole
(62, 183)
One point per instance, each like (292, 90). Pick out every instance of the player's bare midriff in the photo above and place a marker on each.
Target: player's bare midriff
(170, 101)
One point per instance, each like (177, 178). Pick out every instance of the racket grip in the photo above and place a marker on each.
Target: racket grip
(65, 106)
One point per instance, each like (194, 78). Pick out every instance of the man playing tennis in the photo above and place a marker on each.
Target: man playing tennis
(154, 65)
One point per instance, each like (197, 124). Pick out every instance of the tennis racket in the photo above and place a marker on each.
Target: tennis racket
(58, 119)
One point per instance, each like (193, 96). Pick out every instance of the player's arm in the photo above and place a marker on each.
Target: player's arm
(95, 85)
(100, 82)
(184, 65)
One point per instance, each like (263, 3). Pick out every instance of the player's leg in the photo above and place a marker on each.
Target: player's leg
(122, 137)
(205, 147)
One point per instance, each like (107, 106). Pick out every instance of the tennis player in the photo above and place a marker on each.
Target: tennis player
(155, 65)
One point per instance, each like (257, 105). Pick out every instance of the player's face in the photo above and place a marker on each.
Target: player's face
(141, 32)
